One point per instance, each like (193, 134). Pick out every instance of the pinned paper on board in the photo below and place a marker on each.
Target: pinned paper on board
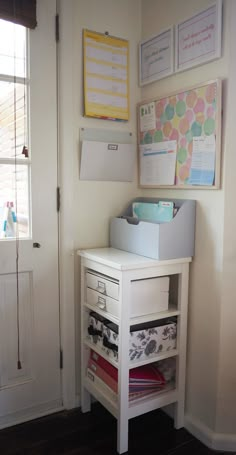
(203, 161)
(158, 162)
(147, 117)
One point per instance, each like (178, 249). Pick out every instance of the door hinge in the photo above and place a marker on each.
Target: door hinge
(58, 199)
(57, 28)
(61, 359)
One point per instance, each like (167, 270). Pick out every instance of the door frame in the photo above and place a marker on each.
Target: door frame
(66, 153)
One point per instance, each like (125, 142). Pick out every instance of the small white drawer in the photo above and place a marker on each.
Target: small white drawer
(103, 302)
(103, 284)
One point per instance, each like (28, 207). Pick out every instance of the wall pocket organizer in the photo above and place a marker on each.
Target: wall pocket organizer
(106, 155)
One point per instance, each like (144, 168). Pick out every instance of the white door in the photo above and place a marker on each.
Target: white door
(30, 379)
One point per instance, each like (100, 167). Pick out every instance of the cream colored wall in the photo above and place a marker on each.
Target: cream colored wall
(226, 400)
(88, 206)
(206, 269)
(96, 202)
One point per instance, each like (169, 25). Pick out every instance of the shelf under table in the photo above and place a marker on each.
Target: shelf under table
(172, 311)
(137, 406)
(133, 363)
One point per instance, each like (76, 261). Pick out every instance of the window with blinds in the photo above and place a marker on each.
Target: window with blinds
(14, 155)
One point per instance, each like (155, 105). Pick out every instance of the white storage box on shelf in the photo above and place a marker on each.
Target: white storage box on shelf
(170, 240)
(147, 296)
(145, 341)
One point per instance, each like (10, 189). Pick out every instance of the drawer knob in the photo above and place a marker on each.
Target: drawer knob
(101, 303)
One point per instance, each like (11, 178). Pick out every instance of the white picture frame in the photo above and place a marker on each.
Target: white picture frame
(156, 57)
(198, 38)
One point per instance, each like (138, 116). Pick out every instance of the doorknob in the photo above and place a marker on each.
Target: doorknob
(36, 245)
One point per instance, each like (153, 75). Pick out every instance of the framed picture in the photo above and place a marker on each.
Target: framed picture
(198, 39)
(156, 57)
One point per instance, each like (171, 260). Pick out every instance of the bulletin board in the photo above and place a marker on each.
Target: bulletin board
(179, 138)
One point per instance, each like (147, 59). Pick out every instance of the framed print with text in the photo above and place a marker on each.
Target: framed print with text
(156, 57)
(198, 39)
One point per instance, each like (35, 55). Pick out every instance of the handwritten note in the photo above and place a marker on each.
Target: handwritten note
(156, 57)
(197, 38)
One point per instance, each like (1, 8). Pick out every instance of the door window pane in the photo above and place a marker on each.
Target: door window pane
(12, 49)
(13, 119)
(12, 177)
(14, 162)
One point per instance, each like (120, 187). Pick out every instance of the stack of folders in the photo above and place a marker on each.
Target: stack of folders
(160, 212)
(143, 380)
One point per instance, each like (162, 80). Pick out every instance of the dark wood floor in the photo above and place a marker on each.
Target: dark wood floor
(94, 433)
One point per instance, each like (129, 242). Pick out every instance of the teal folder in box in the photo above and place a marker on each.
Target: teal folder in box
(160, 212)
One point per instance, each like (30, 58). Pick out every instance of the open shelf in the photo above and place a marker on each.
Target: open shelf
(153, 401)
(100, 351)
(154, 358)
(103, 395)
(172, 311)
(138, 406)
(132, 364)
(105, 314)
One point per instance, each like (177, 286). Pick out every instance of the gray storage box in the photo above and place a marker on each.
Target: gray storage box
(171, 240)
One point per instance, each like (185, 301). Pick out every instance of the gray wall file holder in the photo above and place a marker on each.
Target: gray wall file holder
(171, 240)
(107, 155)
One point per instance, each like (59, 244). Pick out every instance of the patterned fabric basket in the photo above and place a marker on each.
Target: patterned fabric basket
(146, 340)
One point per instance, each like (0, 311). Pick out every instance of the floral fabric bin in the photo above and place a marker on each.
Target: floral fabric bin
(95, 328)
(146, 340)
(111, 339)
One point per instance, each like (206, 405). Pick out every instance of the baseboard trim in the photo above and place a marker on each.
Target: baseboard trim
(77, 401)
(224, 442)
(32, 413)
(215, 441)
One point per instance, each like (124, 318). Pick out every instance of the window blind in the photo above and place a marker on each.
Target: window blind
(22, 12)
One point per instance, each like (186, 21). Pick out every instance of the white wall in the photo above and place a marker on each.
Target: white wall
(86, 205)
(226, 400)
(96, 202)
(210, 373)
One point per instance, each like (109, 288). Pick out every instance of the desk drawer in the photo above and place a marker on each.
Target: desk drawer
(103, 285)
(105, 303)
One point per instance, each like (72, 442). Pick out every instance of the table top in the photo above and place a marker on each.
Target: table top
(123, 260)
